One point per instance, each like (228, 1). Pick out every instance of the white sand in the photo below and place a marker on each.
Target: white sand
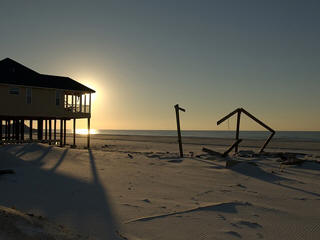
(152, 194)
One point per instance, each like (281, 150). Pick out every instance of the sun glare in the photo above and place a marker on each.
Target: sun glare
(85, 131)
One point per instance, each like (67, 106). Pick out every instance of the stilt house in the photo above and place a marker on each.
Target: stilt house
(26, 95)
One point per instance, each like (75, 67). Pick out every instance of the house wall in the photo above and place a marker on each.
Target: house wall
(43, 104)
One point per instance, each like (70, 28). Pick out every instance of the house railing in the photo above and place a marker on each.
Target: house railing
(78, 109)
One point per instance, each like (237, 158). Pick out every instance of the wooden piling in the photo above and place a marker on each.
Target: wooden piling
(88, 136)
(50, 131)
(22, 130)
(30, 130)
(74, 132)
(55, 130)
(61, 132)
(65, 132)
(237, 131)
(177, 108)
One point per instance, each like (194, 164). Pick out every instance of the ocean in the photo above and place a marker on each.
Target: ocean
(312, 136)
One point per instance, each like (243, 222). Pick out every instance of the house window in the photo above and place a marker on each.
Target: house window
(29, 95)
(14, 91)
(58, 93)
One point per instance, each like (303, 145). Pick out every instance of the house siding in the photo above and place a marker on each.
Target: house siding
(43, 104)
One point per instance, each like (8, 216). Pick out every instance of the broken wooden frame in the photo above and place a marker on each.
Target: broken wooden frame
(177, 108)
(238, 111)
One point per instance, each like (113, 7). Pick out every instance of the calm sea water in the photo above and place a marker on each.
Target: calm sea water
(313, 136)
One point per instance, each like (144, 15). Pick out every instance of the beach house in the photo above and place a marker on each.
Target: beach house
(42, 101)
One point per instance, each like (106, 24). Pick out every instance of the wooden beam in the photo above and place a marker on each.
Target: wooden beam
(266, 143)
(177, 108)
(237, 130)
(236, 143)
(228, 116)
(257, 120)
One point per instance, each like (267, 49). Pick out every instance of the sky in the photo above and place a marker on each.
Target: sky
(143, 57)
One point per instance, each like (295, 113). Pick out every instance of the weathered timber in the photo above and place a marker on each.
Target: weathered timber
(236, 143)
(177, 108)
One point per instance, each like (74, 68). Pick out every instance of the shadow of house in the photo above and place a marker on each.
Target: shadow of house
(81, 205)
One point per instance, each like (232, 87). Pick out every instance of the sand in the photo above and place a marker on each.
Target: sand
(134, 187)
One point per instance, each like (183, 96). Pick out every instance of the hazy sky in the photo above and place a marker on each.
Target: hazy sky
(142, 57)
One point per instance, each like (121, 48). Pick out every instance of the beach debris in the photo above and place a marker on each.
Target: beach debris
(238, 111)
(7, 171)
(211, 152)
(177, 108)
(231, 162)
(225, 154)
(246, 154)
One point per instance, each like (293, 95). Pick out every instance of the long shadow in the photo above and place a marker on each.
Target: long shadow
(78, 204)
(260, 174)
(63, 155)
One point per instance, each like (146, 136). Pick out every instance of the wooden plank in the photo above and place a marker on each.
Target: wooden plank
(236, 143)
(228, 116)
(237, 130)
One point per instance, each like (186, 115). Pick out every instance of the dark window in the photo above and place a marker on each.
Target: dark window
(58, 98)
(29, 95)
(14, 91)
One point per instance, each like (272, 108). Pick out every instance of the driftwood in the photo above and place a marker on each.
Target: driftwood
(6, 171)
(238, 111)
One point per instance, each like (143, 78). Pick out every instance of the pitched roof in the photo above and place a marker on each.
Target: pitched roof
(12, 72)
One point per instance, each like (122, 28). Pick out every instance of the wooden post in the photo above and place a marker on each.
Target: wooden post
(81, 103)
(17, 129)
(1, 130)
(74, 132)
(65, 132)
(13, 130)
(40, 129)
(85, 103)
(55, 130)
(237, 131)
(6, 131)
(177, 108)
(30, 130)
(72, 103)
(22, 130)
(90, 103)
(50, 131)
(88, 137)
(46, 130)
(61, 132)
